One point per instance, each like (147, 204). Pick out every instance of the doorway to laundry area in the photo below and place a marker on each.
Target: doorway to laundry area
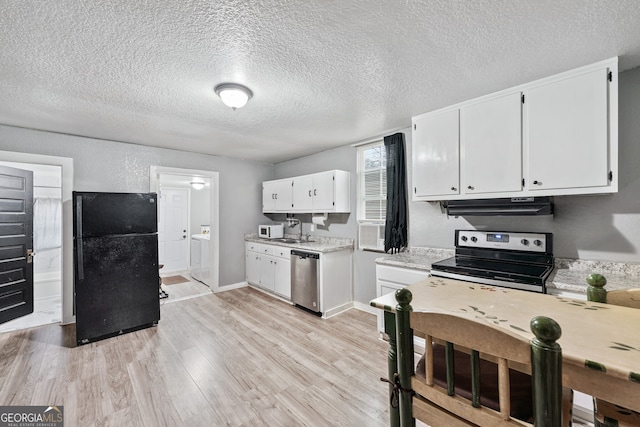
(187, 231)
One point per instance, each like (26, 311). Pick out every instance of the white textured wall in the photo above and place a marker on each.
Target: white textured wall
(112, 166)
(200, 203)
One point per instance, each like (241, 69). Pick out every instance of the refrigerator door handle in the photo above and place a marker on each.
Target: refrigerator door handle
(79, 216)
(79, 257)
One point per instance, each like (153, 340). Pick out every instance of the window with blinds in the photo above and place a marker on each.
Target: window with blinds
(373, 182)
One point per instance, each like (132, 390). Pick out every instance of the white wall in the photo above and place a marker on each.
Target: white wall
(112, 166)
(200, 202)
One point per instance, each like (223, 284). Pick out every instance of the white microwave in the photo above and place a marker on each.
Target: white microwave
(271, 231)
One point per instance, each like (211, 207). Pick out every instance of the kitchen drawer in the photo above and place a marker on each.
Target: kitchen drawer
(253, 247)
(403, 276)
(267, 249)
(281, 252)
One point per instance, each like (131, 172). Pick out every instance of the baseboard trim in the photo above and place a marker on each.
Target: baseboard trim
(365, 307)
(337, 310)
(230, 287)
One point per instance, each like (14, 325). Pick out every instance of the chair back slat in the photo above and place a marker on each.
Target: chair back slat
(475, 378)
(450, 368)
(504, 389)
(429, 359)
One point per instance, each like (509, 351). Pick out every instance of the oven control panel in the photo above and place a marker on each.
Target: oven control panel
(530, 242)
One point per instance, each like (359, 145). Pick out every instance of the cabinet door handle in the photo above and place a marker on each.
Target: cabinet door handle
(470, 187)
(273, 195)
(537, 183)
(314, 191)
(309, 193)
(453, 189)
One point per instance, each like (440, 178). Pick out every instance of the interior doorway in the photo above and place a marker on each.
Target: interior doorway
(176, 240)
(173, 225)
(47, 246)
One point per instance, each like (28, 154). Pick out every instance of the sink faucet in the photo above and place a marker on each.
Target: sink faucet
(292, 223)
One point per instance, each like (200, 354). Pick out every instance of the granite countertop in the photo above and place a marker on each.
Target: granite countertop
(416, 258)
(568, 275)
(318, 244)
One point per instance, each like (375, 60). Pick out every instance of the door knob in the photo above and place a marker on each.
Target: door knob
(184, 237)
(30, 255)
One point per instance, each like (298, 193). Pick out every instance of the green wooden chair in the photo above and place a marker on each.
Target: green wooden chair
(607, 414)
(482, 344)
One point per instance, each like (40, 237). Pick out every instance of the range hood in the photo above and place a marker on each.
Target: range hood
(513, 206)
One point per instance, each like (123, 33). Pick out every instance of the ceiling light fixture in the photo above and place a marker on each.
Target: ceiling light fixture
(233, 95)
(197, 185)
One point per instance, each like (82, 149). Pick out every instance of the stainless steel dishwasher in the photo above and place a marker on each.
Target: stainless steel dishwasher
(304, 280)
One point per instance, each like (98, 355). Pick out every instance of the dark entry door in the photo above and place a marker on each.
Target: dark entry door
(16, 243)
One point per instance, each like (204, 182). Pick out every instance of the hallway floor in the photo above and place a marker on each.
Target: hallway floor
(181, 291)
(45, 311)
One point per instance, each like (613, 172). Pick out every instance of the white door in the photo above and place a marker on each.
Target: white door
(568, 142)
(323, 192)
(491, 145)
(303, 193)
(436, 167)
(173, 219)
(267, 272)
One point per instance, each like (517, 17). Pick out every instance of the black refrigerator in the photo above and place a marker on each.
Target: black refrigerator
(116, 278)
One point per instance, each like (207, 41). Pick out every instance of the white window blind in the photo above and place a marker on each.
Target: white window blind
(372, 191)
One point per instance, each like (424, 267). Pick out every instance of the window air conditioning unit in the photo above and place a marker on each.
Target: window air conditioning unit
(371, 236)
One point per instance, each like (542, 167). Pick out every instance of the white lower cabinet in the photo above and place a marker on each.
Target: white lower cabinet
(389, 279)
(253, 263)
(269, 267)
(268, 272)
(282, 285)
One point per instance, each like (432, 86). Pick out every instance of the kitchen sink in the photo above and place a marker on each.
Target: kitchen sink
(285, 240)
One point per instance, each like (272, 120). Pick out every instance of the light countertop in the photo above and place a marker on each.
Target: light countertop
(319, 244)
(568, 275)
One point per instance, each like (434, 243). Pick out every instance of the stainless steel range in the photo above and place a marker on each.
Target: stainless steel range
(512, 260)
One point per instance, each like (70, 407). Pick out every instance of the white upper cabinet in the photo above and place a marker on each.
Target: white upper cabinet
(319, 192)
(302, 194)
(554, 136)
(436, 155)
(568, 141)
(491, 145)
(277, 195)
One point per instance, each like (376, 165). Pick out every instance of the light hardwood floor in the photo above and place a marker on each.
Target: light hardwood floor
(236, 358)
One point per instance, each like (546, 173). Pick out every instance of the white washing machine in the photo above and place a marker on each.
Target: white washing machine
(200, 257)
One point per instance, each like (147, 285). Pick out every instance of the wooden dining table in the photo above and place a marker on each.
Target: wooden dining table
(600, 343)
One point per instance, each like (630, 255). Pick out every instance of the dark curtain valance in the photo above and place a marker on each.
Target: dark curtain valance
(395, 231)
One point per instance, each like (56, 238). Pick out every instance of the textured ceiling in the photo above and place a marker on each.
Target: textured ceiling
(323, 73)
